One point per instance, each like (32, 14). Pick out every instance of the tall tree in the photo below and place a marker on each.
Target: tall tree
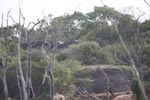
(4, 57)
(29, 87)
(20, 75)
(51, 45)
(110, 14)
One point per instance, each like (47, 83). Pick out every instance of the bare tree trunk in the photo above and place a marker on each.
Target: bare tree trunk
(20, 71)
(30, 90)
(4, 59)
(50, 64)
(134, 69)
(50, 74)
(107, 83)
(28, 73)
(19, 85)
(5, 86)
(51, 80)
(147, 3)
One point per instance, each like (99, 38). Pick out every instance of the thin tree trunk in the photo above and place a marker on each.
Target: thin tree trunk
(5, 86)
(20, 71)
(28, 70)
(134, 69)
(50, 64)
(50, 74)
(4, 65)
(19, 85)
(147, 3)
(107, 83)
(51, 82)
(30, 91)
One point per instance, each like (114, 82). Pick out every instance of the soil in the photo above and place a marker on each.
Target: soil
(104, 96)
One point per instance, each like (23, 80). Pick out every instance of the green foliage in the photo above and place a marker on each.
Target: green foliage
(105, 13)
(62, 79)
(115, 54)
(84, 72)
(43, 96)
(136, 90)
(83, 77)
(69, 67)
(128, 27)
(62, 56)
(37, 58)
(73, 65)
(145, 57)
(82, 83)
(65, 27)
(144, 27)
(88, 53)
(98, 31)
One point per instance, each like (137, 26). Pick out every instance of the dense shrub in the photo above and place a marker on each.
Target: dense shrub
(88, 53)
(84, 73)
(83, 77)
(62, 79)
(136, 90)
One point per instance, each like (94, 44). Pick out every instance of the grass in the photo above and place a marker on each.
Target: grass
(128, 68)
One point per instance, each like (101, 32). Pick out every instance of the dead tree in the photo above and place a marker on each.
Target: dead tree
(134, 69)
(115, 22)
(50, 72)
(20, 75)
(147, 3)
(4, 58)
(29, 88)
(50, 61)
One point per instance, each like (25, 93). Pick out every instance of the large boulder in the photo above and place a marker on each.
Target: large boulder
(118, 79)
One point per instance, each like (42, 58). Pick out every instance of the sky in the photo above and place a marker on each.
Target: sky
(32, 9)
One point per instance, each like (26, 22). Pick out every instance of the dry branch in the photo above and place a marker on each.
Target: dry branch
(134, 69)
(147, 3)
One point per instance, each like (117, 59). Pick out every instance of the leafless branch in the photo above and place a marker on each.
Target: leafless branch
(12, 19)
(22, 17)
(132, 62)
(8, 16)
(20, 74)
(77, 7)
(147, 3)
(103, 3)
(34, 24)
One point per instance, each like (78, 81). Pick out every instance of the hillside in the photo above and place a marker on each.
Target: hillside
(77, 55)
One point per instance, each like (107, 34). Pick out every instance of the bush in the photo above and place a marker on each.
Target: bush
(73, 65)
(84, 73)
(82, 83)
(62, 56)
(115, 54)
(62, 79)
(136, 90)
(88, 53)
(83, 77)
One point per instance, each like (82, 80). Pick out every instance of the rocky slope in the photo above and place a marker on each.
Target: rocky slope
(114, 79)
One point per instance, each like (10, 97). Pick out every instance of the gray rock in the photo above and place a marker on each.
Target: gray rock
(119, 80)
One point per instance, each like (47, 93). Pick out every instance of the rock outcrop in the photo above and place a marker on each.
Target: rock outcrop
(118, 80)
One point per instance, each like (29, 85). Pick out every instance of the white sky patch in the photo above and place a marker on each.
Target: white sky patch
(32, 9)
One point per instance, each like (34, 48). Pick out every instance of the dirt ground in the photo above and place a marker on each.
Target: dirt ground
(124, 97)
(118, 96)
(104, 96)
